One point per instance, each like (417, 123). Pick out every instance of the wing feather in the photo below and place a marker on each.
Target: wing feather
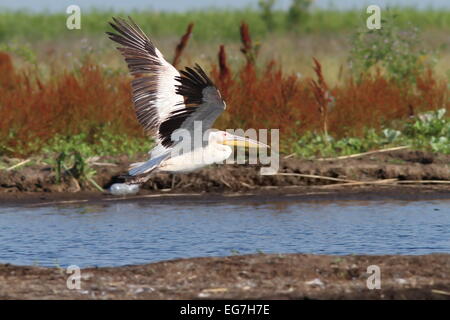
(165, 100)
(202, 102)
(154, 86)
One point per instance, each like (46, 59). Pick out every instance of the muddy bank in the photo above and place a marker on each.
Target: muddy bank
(257, 196)
(406, 166)
(261, 276)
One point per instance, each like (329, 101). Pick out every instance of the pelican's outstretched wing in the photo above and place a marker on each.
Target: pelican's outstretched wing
(165, 100)
(154, 86)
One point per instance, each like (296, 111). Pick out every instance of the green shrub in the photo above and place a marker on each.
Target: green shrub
(394, 49)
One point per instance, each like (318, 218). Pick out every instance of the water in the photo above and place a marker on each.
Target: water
(135, 233)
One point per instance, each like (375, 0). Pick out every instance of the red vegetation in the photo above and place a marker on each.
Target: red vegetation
(7, 74)
(268, 98)
(182, 44)
(250, 52)
(223, 66)
(322, 95)
(87, 100)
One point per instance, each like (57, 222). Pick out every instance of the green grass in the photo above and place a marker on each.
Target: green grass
(429, 131)
(105, 144)
(210, 24)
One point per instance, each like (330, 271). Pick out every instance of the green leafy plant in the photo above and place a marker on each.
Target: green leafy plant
(430, 130)
(101, 143)
(21, 50)
(393, 49)
(74, 165)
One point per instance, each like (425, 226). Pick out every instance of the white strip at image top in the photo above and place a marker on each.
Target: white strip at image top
(183, 5)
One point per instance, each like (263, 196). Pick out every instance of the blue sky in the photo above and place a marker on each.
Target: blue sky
(181, 5)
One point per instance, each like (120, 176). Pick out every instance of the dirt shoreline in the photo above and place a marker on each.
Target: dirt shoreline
(260, 276)
(283, 194)
(37, 183)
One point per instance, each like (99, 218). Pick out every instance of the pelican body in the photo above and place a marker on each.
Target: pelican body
(168, 102)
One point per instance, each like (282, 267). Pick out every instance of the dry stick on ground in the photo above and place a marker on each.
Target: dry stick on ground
(290, 155)
(312, 176)
(363, 154)
(446, 293)
(18, 164)
(360, 183)
(104, 164)
(183, 43)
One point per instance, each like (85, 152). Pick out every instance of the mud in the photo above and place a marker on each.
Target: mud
(261, 276)
(404, 165)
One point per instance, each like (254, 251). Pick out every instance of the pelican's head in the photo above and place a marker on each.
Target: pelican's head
(229, 139)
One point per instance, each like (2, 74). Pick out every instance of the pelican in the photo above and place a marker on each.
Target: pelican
(166, 101)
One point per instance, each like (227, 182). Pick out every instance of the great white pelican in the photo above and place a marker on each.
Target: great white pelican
(167, 100)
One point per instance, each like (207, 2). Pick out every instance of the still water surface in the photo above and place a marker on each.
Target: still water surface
(135, 233)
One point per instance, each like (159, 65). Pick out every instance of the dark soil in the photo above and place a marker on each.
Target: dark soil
(280, 276)
(402, 165)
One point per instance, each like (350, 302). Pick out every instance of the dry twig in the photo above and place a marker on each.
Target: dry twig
(18, 164)
(356, 155)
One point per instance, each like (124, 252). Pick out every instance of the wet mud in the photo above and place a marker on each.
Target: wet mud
(261, 276)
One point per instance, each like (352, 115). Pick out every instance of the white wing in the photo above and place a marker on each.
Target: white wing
(154, 86)
(164, 99)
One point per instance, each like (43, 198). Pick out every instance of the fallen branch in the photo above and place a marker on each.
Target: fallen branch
(312, 176)
(363, 154)
(358, 183)
(18, 164)
(289, 156)
(103, 164)
(446, 293)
